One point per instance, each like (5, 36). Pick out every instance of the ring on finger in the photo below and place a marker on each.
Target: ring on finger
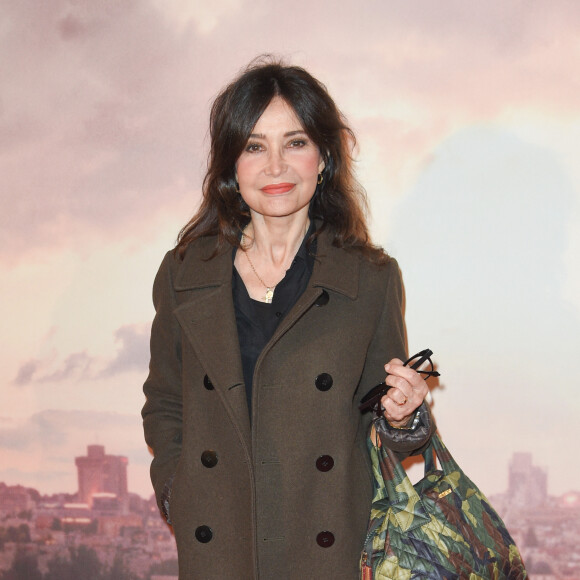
(403, 403)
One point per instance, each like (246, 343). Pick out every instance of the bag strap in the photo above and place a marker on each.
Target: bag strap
(448, 464)
(394, 483)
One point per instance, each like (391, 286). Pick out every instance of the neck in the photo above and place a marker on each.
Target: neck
(276, 241)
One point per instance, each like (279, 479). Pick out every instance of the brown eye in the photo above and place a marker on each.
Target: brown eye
(298, 143)
(253, 147)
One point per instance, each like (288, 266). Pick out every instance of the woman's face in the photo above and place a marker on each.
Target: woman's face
(278, 169)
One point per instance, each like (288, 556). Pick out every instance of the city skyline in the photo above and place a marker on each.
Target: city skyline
(546, 529)
(521, 467)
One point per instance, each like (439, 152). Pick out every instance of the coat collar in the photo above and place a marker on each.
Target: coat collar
(335, 269)
(200, 270)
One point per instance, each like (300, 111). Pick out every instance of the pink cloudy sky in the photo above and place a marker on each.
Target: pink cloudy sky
(468, 120)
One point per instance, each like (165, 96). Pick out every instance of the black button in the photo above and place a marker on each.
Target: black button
(209, 458)
(324, 539)
(204, 534)
(207, 383)
(324, 463)
(278, 314)
(323, 299)
(178, 437)
(323, 382)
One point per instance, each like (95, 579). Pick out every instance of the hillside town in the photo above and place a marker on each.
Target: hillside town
(104, 532)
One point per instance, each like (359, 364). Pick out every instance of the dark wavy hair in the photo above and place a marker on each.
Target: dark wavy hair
(339, 203)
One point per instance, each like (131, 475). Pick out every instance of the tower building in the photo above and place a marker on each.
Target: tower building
(101, 473)
(527, 484)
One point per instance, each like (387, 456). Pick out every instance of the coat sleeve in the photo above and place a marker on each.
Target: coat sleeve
(389, 341)
(163, 412)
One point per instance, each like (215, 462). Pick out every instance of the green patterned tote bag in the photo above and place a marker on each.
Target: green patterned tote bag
(442, 527)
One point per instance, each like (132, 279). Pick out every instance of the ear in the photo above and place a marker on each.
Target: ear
(321, 165)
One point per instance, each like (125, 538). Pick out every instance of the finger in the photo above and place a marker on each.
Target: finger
(407, 373)
(401, 390)
(412, 384)
(397, 396)
(395, 413)
(395, 361)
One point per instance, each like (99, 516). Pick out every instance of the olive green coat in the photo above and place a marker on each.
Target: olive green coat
(256, 494)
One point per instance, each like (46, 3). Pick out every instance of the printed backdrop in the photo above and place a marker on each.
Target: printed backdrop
(468, 121)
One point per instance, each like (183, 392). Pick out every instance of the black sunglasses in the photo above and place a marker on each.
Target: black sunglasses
(372, 400)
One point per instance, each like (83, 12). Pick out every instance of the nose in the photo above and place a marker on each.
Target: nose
(276, 164)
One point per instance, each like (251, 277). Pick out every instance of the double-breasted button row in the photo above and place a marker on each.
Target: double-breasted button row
(324, 463)
(323, 382)
(209, 459)
(204, 534)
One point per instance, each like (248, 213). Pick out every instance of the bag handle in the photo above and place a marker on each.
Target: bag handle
(405, 501)
(448, 464)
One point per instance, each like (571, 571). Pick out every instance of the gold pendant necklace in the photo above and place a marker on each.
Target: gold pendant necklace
(269, 289)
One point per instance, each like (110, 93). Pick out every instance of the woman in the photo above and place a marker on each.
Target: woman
(274, 316)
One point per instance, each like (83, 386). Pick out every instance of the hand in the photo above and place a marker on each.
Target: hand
(408, 391)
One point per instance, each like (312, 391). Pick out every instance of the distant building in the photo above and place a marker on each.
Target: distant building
(15, 499)
(75, 515)
(527, 484)
(99, 473)
(105, 504)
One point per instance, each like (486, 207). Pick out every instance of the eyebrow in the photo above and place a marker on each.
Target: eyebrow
(288, 134)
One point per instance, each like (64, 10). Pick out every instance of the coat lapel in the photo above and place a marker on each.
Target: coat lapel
(335, 270)
(209, 322)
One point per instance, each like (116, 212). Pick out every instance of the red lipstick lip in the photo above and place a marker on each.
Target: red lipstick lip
(277, 188)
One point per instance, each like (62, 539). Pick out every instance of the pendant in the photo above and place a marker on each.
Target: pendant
(269, 295)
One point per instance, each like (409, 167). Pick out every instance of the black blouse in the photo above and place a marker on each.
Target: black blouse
(257, 321)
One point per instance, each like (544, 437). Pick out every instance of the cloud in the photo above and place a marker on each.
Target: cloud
(39, 450)
(77, 364)
(103, 122)
(51, 428)
(93, 138)
(46, 428)
(482, 240)
(133, 354)
(27, 371)
(134, 351)
(205, 16)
